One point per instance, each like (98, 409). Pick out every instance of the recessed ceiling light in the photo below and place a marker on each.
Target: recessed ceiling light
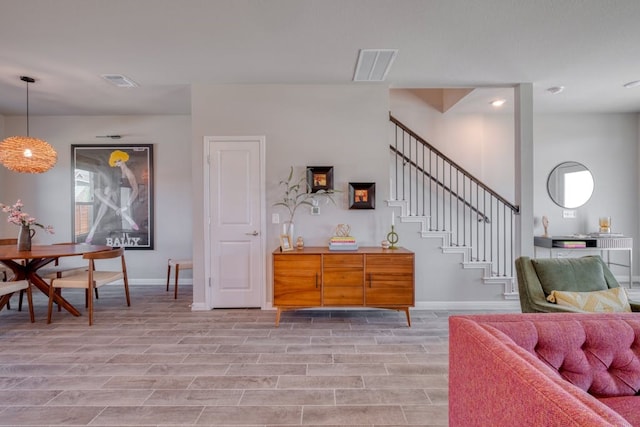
(554, 90)
(632, 84)
(374, 64)
(498, 102)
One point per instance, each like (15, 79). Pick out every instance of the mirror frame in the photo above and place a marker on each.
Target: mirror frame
(552, 184)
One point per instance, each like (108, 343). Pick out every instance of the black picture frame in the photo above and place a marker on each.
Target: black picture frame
(320, 178)
(112, 195)
(362, 195)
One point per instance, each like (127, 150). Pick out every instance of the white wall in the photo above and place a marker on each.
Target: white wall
(607, 144)
(47, 196)
(341, 126)
(482, 144)
(344, 126)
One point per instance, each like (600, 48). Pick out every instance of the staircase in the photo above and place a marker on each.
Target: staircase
(450, 204)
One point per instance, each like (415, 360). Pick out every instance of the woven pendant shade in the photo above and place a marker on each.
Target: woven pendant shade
(26, 154)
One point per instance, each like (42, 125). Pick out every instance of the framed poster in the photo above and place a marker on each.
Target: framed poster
(362, 195)
(113, 195)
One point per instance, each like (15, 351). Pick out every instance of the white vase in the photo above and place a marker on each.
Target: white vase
(289, 229)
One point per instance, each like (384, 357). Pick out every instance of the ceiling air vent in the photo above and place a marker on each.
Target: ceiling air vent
(373, 64)
(119, 80)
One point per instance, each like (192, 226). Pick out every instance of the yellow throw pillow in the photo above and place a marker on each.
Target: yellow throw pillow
(609, 300)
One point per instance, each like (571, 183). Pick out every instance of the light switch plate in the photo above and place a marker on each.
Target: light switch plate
(568, 214)
(275, 218)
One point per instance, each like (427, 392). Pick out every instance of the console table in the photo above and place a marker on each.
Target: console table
(555, 245)
(366, 277)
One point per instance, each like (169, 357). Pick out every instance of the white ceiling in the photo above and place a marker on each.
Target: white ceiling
(589, 46)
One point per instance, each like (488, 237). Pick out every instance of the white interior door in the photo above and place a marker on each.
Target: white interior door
(236, 221)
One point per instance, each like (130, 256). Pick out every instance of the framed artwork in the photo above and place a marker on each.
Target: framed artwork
(320, 178)
(113, 195)
(285, 243)
(362, 195)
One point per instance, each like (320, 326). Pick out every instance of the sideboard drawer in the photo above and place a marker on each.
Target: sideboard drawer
(347, 296)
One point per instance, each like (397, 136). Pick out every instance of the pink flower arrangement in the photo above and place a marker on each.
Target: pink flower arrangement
(17, 217)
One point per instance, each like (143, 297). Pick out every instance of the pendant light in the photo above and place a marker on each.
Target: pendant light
(24, 153)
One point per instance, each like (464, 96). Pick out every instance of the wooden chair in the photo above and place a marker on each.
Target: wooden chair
(92, 279)
(5, 271)
(53, 272)
(9, 288)
(57, 271)
(184, 264)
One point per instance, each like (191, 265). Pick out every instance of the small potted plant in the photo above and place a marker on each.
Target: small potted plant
(297, 192)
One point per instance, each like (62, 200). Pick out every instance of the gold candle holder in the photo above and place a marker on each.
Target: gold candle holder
(392, 238)
(605, 224)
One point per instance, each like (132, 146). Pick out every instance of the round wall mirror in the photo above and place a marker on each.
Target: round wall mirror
(570, 185)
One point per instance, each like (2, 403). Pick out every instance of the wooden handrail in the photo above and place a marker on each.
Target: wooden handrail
(515, 209)
(437, 182)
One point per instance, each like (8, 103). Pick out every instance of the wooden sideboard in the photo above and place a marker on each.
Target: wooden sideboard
(367, 277)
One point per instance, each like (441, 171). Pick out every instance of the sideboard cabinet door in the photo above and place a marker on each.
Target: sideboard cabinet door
(389, 280)
(297, 280)
(343, 279)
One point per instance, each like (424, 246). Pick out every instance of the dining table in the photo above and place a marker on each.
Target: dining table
(25, 264)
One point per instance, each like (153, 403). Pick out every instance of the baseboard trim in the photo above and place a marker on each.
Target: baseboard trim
(468, 305)
(421, 305)
(508, 305)
(155, 282)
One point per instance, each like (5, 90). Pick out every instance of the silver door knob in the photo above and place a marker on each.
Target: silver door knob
(255, 233)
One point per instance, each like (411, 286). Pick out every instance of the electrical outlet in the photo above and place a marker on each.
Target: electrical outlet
(568, 214)
(275, 218)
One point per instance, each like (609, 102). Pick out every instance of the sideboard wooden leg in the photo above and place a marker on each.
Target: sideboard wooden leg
(278, 311)
(406, 311)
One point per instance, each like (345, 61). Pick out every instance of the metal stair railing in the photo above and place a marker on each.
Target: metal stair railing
(434, 186)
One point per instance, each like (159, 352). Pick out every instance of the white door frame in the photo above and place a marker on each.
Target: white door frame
(207, 214)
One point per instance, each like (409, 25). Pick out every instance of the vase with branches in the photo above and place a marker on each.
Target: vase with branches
(296, 193)
(25, 222)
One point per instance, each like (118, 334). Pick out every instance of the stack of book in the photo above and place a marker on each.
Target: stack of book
(570, 244)
(343, 243)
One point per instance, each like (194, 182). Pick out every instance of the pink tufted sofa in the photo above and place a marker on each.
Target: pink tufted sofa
(553, 369)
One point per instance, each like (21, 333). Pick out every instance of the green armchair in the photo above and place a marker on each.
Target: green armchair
(538, 277)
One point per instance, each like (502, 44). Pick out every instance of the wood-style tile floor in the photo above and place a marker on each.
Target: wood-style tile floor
(158, 363)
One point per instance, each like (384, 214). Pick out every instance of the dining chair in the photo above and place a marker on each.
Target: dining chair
(4, 270)
(7, 273)
(178, 264)
(56, 271)
(7, 289)
(92, 279)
